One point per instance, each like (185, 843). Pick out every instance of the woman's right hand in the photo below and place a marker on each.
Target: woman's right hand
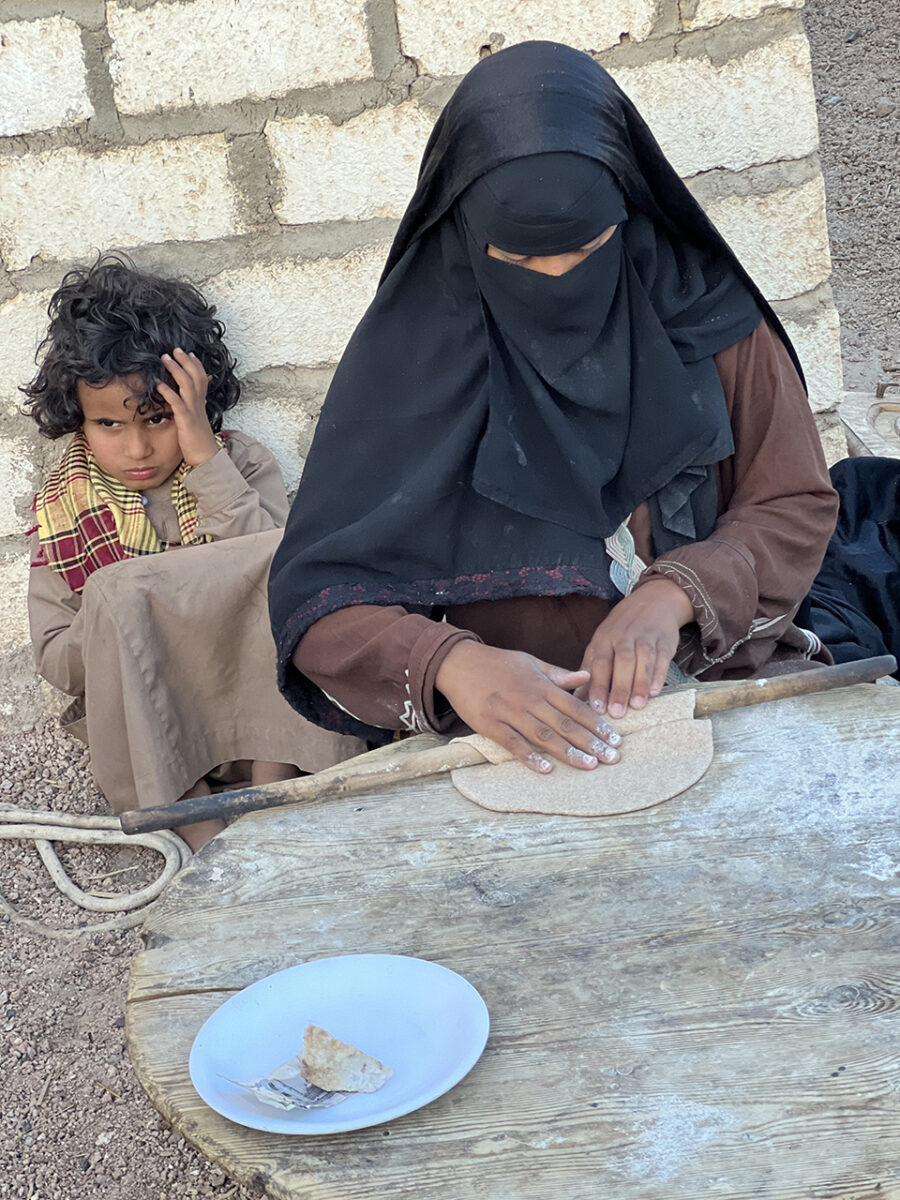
(526, 706)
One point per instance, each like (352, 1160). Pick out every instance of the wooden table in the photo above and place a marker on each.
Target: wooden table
(699, 1000)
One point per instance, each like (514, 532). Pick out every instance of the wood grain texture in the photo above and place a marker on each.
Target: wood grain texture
(698, 1000)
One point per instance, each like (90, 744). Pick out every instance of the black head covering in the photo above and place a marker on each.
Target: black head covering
(542, 204)
(490, 425)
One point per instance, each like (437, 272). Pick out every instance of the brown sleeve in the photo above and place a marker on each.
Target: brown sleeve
(748, 577)
(379, 664)
(238, 491)
(56, 624)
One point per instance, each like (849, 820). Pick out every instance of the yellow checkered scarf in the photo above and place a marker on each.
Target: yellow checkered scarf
(87, 520)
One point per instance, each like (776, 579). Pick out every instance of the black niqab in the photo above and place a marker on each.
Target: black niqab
(591, 408)
(489, 425)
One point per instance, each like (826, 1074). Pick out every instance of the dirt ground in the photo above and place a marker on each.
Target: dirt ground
(75, 1122)
(856, 69)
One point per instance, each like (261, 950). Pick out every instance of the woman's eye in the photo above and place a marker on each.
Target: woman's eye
(158, 419)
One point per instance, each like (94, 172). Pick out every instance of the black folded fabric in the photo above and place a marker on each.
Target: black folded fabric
(854, 604)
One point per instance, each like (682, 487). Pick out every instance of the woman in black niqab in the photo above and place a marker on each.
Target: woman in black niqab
(538, 362)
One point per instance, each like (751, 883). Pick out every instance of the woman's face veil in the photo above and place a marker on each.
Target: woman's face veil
(591, 408)
(542, 206)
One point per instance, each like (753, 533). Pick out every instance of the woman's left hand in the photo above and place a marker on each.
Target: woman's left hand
(629, 654)
(188, 404)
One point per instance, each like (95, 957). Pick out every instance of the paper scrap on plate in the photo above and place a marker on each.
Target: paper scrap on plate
(323, 1074)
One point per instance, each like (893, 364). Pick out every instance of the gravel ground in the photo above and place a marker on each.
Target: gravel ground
(75, 1121)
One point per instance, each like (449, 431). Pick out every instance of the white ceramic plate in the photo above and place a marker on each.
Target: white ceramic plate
(423, 1020)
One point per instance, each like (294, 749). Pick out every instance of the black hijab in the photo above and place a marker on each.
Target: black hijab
(489, 425)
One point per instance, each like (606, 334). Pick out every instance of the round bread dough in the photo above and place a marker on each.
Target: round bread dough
(664, 751)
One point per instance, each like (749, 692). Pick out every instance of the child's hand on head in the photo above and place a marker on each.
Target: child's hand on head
(188, 404)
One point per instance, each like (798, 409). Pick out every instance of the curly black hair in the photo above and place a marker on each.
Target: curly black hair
(111, 320)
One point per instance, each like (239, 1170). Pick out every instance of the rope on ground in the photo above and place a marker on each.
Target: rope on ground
(43, 828)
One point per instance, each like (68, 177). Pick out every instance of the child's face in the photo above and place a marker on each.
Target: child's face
(141, 450)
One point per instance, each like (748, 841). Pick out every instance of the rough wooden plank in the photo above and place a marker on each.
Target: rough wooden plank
(607, 1129)
(700, 1000)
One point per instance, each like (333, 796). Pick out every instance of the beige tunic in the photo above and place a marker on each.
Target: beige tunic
(172, 652)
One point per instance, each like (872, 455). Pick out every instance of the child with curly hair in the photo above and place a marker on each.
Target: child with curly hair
(169, 656)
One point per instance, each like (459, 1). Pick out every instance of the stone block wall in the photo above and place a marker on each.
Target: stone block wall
(265, 149)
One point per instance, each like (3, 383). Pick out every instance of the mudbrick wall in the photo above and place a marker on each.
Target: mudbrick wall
(264, 149)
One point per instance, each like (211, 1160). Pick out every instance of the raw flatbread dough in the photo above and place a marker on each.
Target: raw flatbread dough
(664, 751)
(337, 1067)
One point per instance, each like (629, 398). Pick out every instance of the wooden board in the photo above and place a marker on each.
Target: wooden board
(698, 1000)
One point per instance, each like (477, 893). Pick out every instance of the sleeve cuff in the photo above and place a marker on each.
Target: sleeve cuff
(692, 585)
(428, 653)
(215, 484)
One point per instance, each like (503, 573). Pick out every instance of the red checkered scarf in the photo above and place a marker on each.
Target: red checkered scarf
(87, 520)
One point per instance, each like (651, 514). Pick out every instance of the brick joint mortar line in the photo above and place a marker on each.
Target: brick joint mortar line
(760, 179)
(256, 181)
(384, 37)
(807, 307)
(91, 14)
(105, 125)
(667, 19)
(205, 259)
